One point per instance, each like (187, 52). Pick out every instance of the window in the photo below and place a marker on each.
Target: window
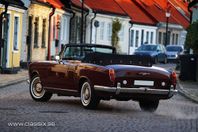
(54, 28)
(136, 38)
(36, 26)
(109, 31)
(102, 24)
(147, 37)
(132, 38)
(29, 37)
(160, 38)
(173, 39)
(164, 38)
(73, 31)
(44, 34)
(16, 31)
(142, 37)
(78, 24)
(151, 39)
(64, 29)
(121, 33)
(176, 39)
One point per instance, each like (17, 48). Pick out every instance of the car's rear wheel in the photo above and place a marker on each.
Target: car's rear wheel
(88, 98)
(37, 91)
(150, 105)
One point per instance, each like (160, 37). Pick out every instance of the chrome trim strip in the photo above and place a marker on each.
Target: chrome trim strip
(143, 90)
(67, 90)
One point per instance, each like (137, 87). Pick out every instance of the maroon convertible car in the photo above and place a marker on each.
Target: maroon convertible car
(96, 72)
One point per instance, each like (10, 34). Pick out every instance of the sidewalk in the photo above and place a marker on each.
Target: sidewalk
(11, 79)
(188, 89)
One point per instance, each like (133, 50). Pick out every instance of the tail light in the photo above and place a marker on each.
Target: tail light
(112, 75)
(174, 79)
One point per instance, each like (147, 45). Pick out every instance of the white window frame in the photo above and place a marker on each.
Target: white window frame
(64, 27)
(109, 31)
(17, 45)
(147, 37)
(121, 33)
(176, 38)
(151, 37)
(102, 29)
(8, 42)
(137, 38)
(132, 40)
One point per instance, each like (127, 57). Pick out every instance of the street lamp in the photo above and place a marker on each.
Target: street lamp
(167, 19)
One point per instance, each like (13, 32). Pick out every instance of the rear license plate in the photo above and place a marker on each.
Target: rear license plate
(143, 83)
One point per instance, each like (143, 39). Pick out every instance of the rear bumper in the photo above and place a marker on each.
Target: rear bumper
(142, 90)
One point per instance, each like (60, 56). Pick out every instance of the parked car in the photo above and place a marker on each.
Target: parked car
(156, 51)
(173, 51)
(74, 73)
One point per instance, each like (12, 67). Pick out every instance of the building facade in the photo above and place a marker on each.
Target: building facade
(12, 26)
(193, 8)
(176, 22)
(98, 20)
(142, 34)
(47, 27)
(37, 31)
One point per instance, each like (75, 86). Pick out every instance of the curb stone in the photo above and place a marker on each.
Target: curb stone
(13, 82)
(186, 94)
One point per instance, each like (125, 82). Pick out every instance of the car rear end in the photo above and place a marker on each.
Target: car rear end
(136, 82)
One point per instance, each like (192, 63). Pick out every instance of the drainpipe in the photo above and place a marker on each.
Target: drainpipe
(82, 21)
(190, 14)
(92, 27)
(1, 23)
(131, 23)
(90, 11)
(49, 33)
(85, 26)
(70, 24)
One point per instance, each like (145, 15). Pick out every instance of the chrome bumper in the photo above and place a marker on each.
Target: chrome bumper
(142, 90)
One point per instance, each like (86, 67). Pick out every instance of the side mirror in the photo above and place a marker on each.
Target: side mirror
(57, 58)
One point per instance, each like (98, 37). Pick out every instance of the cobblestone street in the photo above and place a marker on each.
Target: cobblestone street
(66, 114)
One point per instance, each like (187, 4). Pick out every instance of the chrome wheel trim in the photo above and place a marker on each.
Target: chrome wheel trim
(36, 88)
(86, 94)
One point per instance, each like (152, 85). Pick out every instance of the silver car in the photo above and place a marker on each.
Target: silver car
(173, 51)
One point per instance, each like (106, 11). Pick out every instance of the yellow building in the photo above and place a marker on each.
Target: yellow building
(11, 39)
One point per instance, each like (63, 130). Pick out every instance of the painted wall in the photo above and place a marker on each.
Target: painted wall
(24, 32)
(195, 13)
(177, 34)
(102, 34)
(13, 55)
(137, 39)
(59, 30)
(42, 12)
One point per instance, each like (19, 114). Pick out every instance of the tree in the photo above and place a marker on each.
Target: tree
(192, 37)
(116, 26)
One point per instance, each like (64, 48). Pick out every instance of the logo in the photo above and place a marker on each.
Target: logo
(143, 73)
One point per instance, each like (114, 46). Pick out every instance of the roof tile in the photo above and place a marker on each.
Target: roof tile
(136, 14)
